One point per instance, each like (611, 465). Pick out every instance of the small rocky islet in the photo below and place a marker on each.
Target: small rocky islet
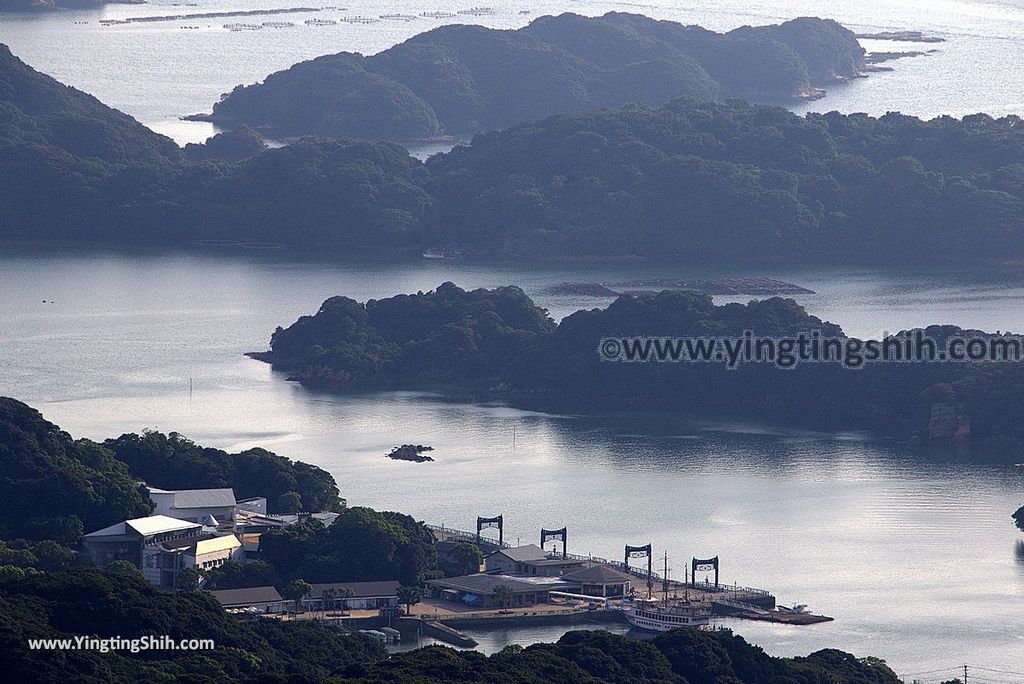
(411, 452)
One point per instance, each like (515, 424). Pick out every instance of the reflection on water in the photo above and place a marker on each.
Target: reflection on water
(913, 553)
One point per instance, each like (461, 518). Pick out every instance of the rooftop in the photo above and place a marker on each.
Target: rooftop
(530, 552)
(484, 584)
(597, 574)
(146, 527)
(554, 561)
(198, 498)
(224, 543)
(243, 597)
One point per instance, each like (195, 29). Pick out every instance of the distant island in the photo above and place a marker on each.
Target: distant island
(460, 79)
(684, 182)
(499, 342)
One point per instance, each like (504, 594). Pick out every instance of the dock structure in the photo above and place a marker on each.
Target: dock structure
(716, 593)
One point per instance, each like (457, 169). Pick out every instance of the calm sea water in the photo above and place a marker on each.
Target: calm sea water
(160, 71)
(914, 554)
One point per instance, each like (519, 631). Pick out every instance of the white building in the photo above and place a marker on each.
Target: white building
(126, 540)
(195, 505)
(162, 561)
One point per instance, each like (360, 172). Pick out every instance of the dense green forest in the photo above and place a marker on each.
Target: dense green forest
(361, 545)
(175, 462)
(683, 182)
(440, 336)
(53, 487)
(398, 343)
(120, 602)
(461, 79)
(683, 656)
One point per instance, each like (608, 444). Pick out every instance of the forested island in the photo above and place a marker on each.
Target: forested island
(52, 485)
(499, 342)
(683, 182)
(461, 79)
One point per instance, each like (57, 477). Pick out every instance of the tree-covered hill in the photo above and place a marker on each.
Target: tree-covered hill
(683, 656)
(736, 181)
(561, 366)
(439, 336)
(687, 181)
(175, 462)
(119, 602)
(35, 108)
(461, 79)
(53, 487)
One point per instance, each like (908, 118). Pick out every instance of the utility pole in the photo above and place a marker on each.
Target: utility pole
(965, 674)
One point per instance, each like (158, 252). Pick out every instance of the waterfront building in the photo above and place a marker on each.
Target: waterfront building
(480, 590)
(529, 560)
(600, 580)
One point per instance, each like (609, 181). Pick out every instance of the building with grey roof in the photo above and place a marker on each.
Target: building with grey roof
(480, 589)
(262, 599)
(528, 560)
(125, 540)
(195, 505)
(600, 580)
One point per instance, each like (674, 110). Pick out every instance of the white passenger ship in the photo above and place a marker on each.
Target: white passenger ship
(661, 616)
(668, 613)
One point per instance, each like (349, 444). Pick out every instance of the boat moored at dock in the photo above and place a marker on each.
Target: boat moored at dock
(666, 614)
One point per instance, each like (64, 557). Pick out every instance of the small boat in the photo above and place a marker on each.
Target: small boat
(797, 609)
(442, 253)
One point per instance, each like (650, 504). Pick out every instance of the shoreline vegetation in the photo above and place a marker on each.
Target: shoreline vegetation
(498, 343)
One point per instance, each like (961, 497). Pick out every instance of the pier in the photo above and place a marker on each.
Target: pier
(546, 603)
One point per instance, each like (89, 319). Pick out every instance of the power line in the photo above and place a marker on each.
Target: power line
(975, 679)
(941, 669)
(990, 669)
